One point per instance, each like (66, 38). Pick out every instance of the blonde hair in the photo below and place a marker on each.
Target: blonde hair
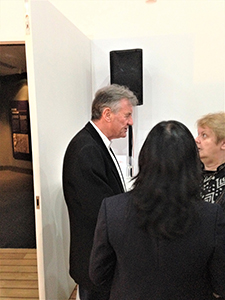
(216, 122)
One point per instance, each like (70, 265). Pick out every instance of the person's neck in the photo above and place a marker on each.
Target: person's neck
(212, 166)
(101, 127)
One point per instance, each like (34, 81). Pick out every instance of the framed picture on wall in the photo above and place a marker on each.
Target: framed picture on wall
(21, 137)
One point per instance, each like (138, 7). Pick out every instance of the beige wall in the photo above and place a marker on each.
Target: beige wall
(12, 24)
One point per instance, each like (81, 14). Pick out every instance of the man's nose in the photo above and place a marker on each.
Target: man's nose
(130, 121)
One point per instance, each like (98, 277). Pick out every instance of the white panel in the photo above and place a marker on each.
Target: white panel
(171, 89)
(59, 79)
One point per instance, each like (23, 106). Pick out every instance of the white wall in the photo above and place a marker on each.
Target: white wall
(12, 16)
(183, 46)
(183, 62)
(100, 19)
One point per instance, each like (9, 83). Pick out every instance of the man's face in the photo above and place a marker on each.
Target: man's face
(121, 120)
(207, 144)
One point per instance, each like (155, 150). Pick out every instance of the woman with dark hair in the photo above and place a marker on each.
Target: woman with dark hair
(160, 241)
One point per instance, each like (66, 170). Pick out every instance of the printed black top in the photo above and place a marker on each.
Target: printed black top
(213, 189)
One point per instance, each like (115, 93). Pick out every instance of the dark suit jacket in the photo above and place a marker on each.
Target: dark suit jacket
(89, 175)
(145, 268)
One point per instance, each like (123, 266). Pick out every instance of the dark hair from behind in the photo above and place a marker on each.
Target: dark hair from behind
(168, 182)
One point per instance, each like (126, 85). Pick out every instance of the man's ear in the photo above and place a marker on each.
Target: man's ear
(223, 145)
(107, 114)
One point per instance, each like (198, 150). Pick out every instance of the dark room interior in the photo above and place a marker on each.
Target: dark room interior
(17, 219)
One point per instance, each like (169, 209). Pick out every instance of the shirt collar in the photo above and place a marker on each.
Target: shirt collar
(106, 141)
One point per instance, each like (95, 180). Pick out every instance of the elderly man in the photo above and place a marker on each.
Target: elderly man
(91, 173)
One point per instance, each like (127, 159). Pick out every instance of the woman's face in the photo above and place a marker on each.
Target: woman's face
(207, 144)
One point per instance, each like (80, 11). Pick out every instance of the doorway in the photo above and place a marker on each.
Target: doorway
(17, 215)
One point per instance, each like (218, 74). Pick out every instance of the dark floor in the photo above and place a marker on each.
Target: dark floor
(17, 220)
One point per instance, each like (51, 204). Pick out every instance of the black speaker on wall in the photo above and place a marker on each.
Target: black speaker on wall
(126, 68)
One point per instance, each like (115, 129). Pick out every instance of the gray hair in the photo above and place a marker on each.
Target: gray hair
(110, 96)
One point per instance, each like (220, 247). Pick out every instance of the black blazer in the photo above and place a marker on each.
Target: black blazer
(89, 175)
(142, 267)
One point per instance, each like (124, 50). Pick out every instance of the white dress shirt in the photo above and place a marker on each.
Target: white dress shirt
(108, 143)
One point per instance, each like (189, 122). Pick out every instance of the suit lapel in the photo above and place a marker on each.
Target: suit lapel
(100, 142)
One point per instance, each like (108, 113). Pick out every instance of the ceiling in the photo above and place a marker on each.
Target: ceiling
(12, 59)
